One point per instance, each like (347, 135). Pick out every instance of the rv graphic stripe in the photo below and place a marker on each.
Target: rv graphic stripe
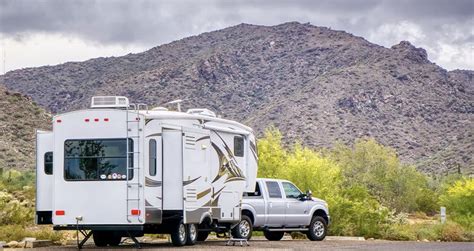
(203, 193)
(152, 183)
(185, 183)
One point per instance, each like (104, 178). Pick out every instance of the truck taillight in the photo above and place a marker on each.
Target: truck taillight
(60, 212)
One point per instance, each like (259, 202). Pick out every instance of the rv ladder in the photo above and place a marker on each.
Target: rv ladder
(133, 131)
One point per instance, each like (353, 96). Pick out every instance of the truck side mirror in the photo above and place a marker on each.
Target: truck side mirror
(309, 194)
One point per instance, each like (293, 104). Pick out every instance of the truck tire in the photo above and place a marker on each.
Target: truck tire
(273, 236)
(244, 229)
(179, 234)
(101, 238)
(317, 229)
(202, 235)
(192, 233)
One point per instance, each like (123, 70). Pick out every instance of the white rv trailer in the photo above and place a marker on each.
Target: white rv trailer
(119, 169)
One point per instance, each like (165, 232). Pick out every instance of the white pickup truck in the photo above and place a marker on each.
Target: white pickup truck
(278, 206)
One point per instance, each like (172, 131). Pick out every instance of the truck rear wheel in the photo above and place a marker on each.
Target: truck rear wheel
(317, 229)
(179, 234)
(244, 229)
(273, 236)
(192, 233)
(202, 235)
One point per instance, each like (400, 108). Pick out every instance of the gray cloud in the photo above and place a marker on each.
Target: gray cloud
(432, 23)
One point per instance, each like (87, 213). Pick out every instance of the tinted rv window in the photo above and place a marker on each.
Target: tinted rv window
(48, 163)
(238, 146)
(257, 192)
(152, 154)
(273, 189)
(103, 159)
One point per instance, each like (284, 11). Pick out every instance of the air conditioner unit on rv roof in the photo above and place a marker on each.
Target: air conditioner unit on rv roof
(109, 102)
(201, 111)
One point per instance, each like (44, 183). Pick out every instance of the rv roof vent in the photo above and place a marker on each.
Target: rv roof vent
(109, 102)
(201, 111)
(160, 108)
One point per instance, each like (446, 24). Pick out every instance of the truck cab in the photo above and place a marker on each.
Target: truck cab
(278, 206)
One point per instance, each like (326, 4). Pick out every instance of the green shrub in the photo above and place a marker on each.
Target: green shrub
(18, 233)
(458, 199)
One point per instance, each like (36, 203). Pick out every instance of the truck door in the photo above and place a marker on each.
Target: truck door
(296, 210)
(275, 205)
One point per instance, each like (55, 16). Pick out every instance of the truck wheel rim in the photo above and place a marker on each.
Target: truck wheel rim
(244, 228)
(192, 231)
(318, 228)
(182, 232)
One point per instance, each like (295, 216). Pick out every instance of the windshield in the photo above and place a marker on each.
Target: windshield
(97, 159)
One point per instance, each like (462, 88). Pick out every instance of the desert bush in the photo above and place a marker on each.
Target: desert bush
(18, 233)
(459, 201)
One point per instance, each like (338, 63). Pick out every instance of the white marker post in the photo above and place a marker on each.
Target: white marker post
(443, 215)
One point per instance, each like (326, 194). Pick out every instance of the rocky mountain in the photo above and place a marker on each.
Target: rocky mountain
(315, 84)
(19, 119)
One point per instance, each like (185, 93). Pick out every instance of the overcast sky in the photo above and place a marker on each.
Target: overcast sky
(48, 32)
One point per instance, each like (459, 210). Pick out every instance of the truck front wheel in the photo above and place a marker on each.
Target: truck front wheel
(317, 229)
(244, 229)
(273, 236)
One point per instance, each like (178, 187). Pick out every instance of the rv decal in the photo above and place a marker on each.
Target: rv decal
(152, 183)
(185, 183)
(203, 193)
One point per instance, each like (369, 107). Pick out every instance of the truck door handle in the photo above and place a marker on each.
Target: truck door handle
(271, 205)
(287, 205)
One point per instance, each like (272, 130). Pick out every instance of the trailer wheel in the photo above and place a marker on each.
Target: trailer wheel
(192, 233)
(244, 229)
(114, 239)
(101, 238)
(317, 229)
(202, 235)
(179, 234)
(273, 236)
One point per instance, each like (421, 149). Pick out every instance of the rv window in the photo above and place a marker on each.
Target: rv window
(238, 146)
(152, 154)
(273, 189)
(100, 159)
(257, 192)
(48, 163)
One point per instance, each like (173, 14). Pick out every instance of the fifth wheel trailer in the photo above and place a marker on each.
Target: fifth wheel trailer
(122, 170)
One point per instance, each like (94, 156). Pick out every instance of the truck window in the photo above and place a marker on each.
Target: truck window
(239, 146)
(48, 163)
(257, 192)
(152, 156)
(291, 191)
(97, 159)
(273, 189)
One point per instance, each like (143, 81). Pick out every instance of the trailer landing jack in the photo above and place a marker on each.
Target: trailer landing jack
(86, 235)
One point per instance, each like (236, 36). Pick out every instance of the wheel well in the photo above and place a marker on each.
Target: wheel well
(321, 213)
(249, 214)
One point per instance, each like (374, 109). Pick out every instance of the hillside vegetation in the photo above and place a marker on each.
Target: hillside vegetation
(313, 83)
(19, 118)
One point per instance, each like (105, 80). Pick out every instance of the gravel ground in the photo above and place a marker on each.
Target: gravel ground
(297, 245)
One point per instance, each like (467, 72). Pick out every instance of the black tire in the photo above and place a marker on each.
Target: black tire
(101, 238)
(114, 239)
(202, 235)
(179, 234)
(192, 234)
(317, 229)
(244, 229)
(273, 236)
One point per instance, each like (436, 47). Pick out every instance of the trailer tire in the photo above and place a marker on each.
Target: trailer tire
(101, 238)
(192, 234)
(317, 229)
(273, 236)
(114, 239)
(244, 229)
(202, 235)
(179, 234)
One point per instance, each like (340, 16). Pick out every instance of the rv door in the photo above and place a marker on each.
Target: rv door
(44, 177)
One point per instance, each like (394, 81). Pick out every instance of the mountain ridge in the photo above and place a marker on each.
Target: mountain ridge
(314, 83)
